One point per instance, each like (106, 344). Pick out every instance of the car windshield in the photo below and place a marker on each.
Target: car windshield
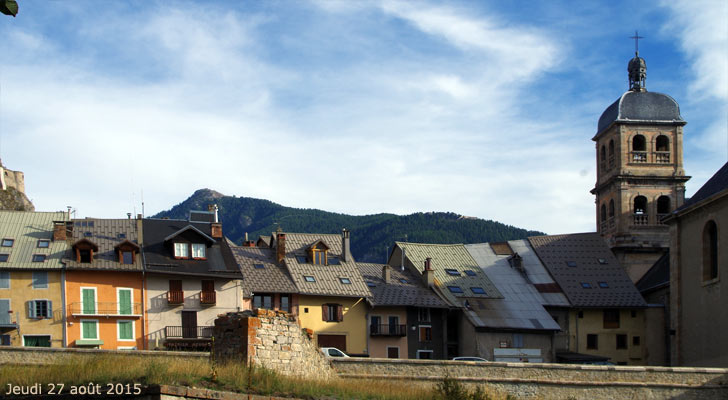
(335, 353)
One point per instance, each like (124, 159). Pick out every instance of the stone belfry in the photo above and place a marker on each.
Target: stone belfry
(640, 176)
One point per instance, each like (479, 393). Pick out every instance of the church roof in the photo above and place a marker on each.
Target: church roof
(641, 107)
(716, 184)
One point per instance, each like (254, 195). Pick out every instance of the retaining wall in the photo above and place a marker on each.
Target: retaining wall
(47, 355)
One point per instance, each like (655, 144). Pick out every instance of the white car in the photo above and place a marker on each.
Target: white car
(332, 352)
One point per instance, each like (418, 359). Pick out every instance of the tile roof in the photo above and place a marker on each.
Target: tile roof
(106, 234)
(583, 251)
(521, 306)
(272, 278)
(658, 276)
(538, 275)
(159, 256)
(717, 183)
(403, 289)
(453, 257)
(26, 228)
(327, 277)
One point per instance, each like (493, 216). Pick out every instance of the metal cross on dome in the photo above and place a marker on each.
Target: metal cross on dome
(636, 38)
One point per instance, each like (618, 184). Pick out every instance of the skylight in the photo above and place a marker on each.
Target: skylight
(345, 281)
(603, 285)
(403, 280)
(455, 289)
(371, 284)
(44, 243)
(334, 261)
(8, 242)
(309, 278)
(452, 272)
(477, 290)
(4, 257)
(602, 260)
(571, 264)
(258, 266)
(469, 272)
(39, 257)
(586, 285)
(87, 234)
(122, 236)
(301, 259)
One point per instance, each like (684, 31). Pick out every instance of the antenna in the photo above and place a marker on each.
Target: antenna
(142, 203)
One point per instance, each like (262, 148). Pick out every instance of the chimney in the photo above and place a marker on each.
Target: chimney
(213, 208)
(59, 230)
(280, 247)
(386, 273)
(248, 243)
(216, 230)
(345, 246)
(428, 275)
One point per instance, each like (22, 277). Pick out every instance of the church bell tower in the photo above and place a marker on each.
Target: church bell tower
(640, 176)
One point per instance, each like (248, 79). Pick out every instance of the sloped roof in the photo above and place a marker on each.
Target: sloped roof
(26, 228)
(658, 276)
(455, 257)
(538, 275)
(521, 306)
(192, 228)
(716, 184)
(584, 250)
(327, 277)
(272, 278)
(641, 107)
(403, 289)
(106, 234)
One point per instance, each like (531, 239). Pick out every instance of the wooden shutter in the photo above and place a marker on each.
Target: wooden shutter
(89, 305)
(208, 286)
(50, 309)
(325, 312)
(125, 301)
(89, 330)
(31, 309)
(339, 312)
(175, 285)
(125, 330)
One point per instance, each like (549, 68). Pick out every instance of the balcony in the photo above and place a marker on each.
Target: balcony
(662, 157)
(175, 297)
(106, 309)
(208, 297)
(639, 156)
(640, 219)
(388, 330)
(183, 332)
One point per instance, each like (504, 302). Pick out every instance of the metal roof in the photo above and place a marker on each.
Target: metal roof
(327, 277)
(404, 288)
(538, 275)
(271, 278)
(641, 107)
(716, 184)
(26, 228)
(521, 306)
(574, 260)
(106, 234)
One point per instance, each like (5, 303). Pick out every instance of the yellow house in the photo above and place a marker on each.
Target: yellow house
(31, 276)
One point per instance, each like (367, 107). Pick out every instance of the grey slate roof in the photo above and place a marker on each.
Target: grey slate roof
(639, 107)
(159, 255)
(26, 228)
(585, 249)
(106, 234)
(327, 276)
(716, 184)
(272, 278)
(521, 306)
(538, 275)
(403, 289)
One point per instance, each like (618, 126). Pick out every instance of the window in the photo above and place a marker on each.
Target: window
(124, 297)
(371, 284)
(392, 352)
(611, 319)
(181, 250)
(334, 260)
(40, 279)
(84, 256)
(43, 243)
(345, 281)
(580, 314)
(309, 278)
(121, 236)
(603, 158)
(592, 341)
(374, 324)
(402, 280)
(477, 290)
(425, 333)
(602, 261)
(89, 329)
(586, 285)
(603, 285)
(638, 143)
(39, 309)
(571, 264)
(635, 340)
(640, 205)
(424, 354)
(198, 250)
(452, 272)
(393, 324)
(4, 257)
(455, 289)
(611, 208)
(662, 143)
(301, 259)
(319, 257)
(710, 251)
(286, 303)
(39, 257)
(88, 300)
(125, 330)
(603, 213)
(36, 341)
(258, 266)
(4, 280)
(127, 257)
(423, 314)
(611, 153)
(633, 313)
(518, 340)
(4, 340)
(663, 205)
(469, 272)
(621, 341)
(8, 242)
(263, 301)
(333, 312)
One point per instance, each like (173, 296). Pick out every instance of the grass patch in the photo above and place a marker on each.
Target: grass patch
(233, 377)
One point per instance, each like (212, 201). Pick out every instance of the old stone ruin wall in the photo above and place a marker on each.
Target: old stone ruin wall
(12, 191)
(272, 339)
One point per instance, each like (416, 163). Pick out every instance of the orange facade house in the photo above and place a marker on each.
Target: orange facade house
(104, 285)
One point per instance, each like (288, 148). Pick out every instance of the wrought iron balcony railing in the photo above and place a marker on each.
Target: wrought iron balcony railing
(388, 330)
(183, 332)
(106, 308)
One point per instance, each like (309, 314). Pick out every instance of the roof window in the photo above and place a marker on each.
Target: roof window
(8, 242)
(334, 260)
(571, 264)
(309, 278)
(477, 290)
(403, 280)
(43, 243)
(4, 257)
(121, 236)
(39, 257)
(301, 259)
(469, 272)
(455, 289)
(586, 285)
(602, 261)
(258, 266)
(87, 234)
(452, 272)
(371, 284)
(345, 281)
(603, 285)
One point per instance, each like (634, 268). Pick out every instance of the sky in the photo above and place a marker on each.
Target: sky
(485, 109)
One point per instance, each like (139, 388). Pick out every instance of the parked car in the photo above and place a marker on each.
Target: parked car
(478, 359)
(333, 352)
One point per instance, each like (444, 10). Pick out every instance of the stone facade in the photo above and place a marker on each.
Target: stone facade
(272, 339)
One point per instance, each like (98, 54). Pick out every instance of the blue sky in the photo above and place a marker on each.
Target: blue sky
(486, 109)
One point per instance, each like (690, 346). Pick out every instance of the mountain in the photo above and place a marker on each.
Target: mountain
(372, 236)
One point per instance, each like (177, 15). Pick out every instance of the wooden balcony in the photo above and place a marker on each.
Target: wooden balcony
(175, 297)
(388, 330)
(208, 297)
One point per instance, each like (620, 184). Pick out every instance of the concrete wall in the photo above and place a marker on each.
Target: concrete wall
(550, 381)
(354, 326)
(479, 343)
(20, 292)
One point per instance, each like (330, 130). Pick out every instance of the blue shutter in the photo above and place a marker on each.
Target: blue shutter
(31, 309)
(50, 309)
(4, 311)
(4, 280)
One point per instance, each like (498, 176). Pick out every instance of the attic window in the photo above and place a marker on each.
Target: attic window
(477, 290)
(603, 285)
(602, 260)
(87, 234)
(85, 255)
(345, 281)
(181, 250)
(334, 261)
(586, 285)
(309, 278)
(43, 243)
(4, 257)
(455, 289)
(469, 272)
(127, 257)
(39, 257)
(8, 242)
(403, 280)
(258, 266)
(571, 264)
(452, 272)
(371, 284)
(122, 236)
(198, 251)
(301, 259)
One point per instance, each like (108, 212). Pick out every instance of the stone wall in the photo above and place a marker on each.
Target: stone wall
(550, 381)
(272, 339)
(12, 191)
(44, 355)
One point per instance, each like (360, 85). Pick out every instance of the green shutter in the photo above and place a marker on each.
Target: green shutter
(89, 306)
(88, 330)
(126, 330)
(125, 301)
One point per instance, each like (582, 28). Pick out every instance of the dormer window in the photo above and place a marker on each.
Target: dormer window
(126, 251)
(318, 253)
(181, 250)
(198, 251)
(84, 250)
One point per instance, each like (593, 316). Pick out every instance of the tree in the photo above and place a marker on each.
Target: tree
(9, 7)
